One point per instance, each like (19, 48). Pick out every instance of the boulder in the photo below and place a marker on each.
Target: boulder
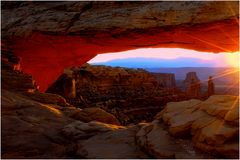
(212, 123)
(29, 126)
(216, 132)
(222, 106)
(156, 140)
(176, 108)
(113, 144)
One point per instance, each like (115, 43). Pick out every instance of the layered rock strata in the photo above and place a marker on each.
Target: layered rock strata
(192, 85)
(131, 95)
(51, 36)
(40, 125)
(213, 123)
(165, 80)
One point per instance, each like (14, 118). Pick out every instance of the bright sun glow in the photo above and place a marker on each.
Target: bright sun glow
(219, 60)
(233, 59)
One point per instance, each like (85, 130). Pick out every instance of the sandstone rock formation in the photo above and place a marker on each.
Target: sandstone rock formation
(211, 88)
(31, 121)
(29, 126)
(32, 129)
(192, 85)
(80, 130)
(213, 123)
(131, 95)
(98, 83)
(11, 76)
(113, 142)
(155, 139)
(39, 125)
(166, 80)
(51, 36)
(90, 114)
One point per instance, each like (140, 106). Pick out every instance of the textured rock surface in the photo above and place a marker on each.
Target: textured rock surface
(29, 126)
(212, 123)
(90, 114)
(70, 33)
(130, 94)
(191, 76)
(114, 144)
(155, 139)
(81, 130)
(37, 125)
(192, 85)
(166, 80)
(32, 122)
(50, 36)
(17, 81)
(47, 98)
(35, 129)
(98, 83)
(74, 17)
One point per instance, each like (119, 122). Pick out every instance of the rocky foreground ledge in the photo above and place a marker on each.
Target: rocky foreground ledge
(37, 125)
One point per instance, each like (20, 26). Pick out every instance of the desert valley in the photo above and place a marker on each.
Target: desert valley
(55, 104)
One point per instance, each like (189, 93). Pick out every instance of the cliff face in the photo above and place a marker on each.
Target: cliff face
(11, 77)
(166, 80)
(120, 91)
(191, 77)
(192, 85)
(100, 83)
(50, 36)
(120, 83)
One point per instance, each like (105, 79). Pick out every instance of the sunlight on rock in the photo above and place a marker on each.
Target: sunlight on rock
(163, 80)
(54, 110)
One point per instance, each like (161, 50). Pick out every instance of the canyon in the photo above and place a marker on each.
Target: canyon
(32, 120)
(131, 95)
(41, 39)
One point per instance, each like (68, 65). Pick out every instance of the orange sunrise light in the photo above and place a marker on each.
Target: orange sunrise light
(233, 59)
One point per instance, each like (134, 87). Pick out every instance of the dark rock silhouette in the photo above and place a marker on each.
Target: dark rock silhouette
(69, 87)
(65, 85)
(211, 89)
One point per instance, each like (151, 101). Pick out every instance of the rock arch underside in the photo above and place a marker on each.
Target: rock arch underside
(40, 39)
(50, 36)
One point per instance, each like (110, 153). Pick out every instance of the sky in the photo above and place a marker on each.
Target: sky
(171, 55)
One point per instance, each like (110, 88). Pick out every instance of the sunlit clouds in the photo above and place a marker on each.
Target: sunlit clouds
(218, 60)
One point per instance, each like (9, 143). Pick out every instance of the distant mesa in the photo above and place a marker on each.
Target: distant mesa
(192, 85)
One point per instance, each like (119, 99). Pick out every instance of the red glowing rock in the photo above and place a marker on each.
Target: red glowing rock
(51, 36)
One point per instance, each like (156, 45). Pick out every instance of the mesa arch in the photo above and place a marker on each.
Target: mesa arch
(50, 36)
